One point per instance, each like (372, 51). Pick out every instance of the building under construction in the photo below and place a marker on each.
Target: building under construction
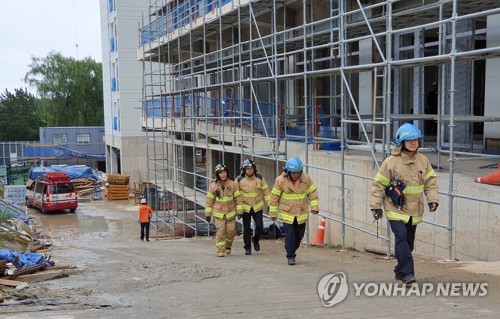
(329, 82)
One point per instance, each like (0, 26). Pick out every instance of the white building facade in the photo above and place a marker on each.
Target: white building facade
(122, 87)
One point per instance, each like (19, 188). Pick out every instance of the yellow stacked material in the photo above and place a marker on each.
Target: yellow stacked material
(117, 179)
(118, 192)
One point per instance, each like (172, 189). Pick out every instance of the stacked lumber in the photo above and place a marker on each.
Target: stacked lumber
(117, 179)
(85, 186)
(118, 187)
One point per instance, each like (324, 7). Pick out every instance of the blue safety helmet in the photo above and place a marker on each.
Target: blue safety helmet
(407, 132)
(294, 165)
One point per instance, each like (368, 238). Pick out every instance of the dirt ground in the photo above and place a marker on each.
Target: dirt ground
(119, 276)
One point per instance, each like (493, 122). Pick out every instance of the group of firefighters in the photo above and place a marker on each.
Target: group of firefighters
(293, 194)
(402, 180)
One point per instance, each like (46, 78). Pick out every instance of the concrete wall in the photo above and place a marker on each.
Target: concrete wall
(134, 164)
(492, 94)
(475, 236)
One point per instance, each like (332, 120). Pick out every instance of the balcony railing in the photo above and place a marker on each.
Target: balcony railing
(177, 17)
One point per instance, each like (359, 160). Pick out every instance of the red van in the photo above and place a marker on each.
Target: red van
(52, 191)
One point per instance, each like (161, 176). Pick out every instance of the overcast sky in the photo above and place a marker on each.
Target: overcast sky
(37, 27)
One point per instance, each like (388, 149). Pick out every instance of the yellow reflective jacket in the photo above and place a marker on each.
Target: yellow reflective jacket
(253, 192)
(420, 179)
(293, 200)
(223, 205)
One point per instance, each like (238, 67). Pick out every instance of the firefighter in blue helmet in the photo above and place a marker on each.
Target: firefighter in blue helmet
(399, 188)
(293, 194)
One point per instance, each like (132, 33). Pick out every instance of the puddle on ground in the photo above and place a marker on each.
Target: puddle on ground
(56, 223)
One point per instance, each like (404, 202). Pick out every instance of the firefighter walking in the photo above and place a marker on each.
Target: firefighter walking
(399, 186)
(221, 205)
(250, 203)
(293, 194)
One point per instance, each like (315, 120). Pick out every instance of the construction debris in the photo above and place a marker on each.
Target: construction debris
(86, 186)
(43, 276)
(10, 282)
(21, 262)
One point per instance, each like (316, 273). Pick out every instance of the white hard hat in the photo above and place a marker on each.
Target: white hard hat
(143, 201)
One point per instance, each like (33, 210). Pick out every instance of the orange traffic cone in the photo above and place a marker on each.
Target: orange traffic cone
(320, 233)
(492, 178)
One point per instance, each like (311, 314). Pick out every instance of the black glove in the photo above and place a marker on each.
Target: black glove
(433, 207)
(209, 219)
(377, 213)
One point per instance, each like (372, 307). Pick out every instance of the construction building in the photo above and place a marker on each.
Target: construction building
(329, 82)
(77, 145)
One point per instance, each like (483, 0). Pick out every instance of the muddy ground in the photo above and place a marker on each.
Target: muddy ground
(119, 276)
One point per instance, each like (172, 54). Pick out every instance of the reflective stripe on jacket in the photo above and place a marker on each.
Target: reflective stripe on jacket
(253, 192)
(420, 179)
(225, 204)
(293, 200)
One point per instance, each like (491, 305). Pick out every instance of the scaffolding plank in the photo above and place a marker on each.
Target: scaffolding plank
(445, 118)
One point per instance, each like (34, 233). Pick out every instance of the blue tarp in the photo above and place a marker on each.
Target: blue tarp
(26, 259)
(51, 151)
(73, 171)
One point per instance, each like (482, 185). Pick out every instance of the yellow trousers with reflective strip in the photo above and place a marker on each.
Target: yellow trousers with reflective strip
(226, 230)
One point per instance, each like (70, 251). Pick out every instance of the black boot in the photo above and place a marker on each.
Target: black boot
(291, 261)
(248, 251)
(256, 245)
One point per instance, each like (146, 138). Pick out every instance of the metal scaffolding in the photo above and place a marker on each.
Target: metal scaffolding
(225, 79)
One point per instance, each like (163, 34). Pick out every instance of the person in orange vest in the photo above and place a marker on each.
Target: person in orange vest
(254, 193)
(221, 204)
(293, 194)
(399, 187)
(145, 214)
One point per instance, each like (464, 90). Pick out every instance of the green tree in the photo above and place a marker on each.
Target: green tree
(70, 89)
(19, 117)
